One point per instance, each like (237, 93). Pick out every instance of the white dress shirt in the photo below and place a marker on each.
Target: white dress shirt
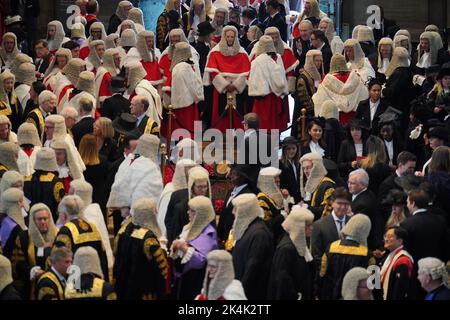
(373, 108)
(390, 148)
(336, 221)
(316, 148)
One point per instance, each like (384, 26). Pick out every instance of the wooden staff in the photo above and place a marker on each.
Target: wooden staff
(230, 108)
(302, 123)
(163, 160)
(169, 135)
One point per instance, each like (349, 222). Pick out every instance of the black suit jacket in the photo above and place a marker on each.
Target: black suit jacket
(366, 203)
(252, 145)
(363, 113)
(324, 233)
(32, 8)
(427, 236)
(226, 216)
(82, 127)
(289, 182)
(203, 51)
(347, 154)
(279, 22)
(45, 63)
(387, 29)
(114, 106)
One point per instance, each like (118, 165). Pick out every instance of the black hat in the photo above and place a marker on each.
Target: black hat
(125, 123)
(395, 197)
(242, 170)
(234, 24)
(390, 115)
(205, 28)
(118, 84)
(409, 182)
(433, 69)
(444, 72)
(289, 140)
(438, 132)
(357, 123)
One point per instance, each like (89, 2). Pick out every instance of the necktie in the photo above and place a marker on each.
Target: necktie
(340, 224)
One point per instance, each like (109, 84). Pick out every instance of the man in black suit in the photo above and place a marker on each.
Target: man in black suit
(139, 107)
(85, 122)
(241, 184)
(249, 18)
(254, 140)
(203, 43)
(45, 57)
(29, 10)
(115, 105)
(302, 44)
(320, 42)
(364, 201)
(406, 164)
(427, 232)
(275, 18)
(387, 28)
(326, 230)
(369, 110)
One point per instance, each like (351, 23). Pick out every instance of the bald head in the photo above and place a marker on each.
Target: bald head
(139, 105)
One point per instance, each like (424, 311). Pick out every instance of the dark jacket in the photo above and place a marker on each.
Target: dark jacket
(363, 113)
(279, 22)
(427, 236)
(440, 181)
(226, 216)
(326, 56)
(252, 259)
(9, 293)
(96, 175)
(203, 51)
(290, 180)
(366, 203)
(114, 106)
(347, 154)
(82, 127)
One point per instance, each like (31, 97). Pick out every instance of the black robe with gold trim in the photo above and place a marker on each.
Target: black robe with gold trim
(91, 288)
(45, 187)
(272, 216)
(3, 169)
(79, 233)
(141, 266)
(341, 256)
(319, 201)
(37, 118)
(24, 257)
(49, 287)
(13, 111)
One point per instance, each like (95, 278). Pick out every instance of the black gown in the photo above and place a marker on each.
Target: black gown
(291, 277)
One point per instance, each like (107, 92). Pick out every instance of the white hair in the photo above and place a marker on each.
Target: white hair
(71, 205)
(361, 176)
(45, 96)
(69, 112)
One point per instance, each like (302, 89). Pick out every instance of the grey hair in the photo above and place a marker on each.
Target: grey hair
(60, 253)
(71, 205)
(362, 176)
(69, 112)
(308, 22)
(45, 96)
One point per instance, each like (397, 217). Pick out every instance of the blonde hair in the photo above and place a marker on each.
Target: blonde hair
(88, 150)
(376, 152)
(106, 127)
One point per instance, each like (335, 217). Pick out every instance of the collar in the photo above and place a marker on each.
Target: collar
(249, 132)
(85, 116)
(60, 277)
(323, 44)
(44, 114)
(419, 211)
(389, 143)
(374, 104)
(446, 117)
(273, 15)
(252, 21)
(396, 172)
(238, 189)
(140, 117)
(355, 195)
(335, 218)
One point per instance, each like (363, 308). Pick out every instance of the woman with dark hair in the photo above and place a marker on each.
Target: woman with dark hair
(290, 167)
(96, 169)
(314, 140)
(375, 163)
(439, 177)
(369, 110)
(353, 149)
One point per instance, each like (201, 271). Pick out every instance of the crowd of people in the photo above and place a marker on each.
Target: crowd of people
(362, 180)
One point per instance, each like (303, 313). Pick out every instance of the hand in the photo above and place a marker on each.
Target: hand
(354, 164)
(350, 212)
(285, 193)
(437, 109)
(418, 174)
(378, 253)
(292, 18)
